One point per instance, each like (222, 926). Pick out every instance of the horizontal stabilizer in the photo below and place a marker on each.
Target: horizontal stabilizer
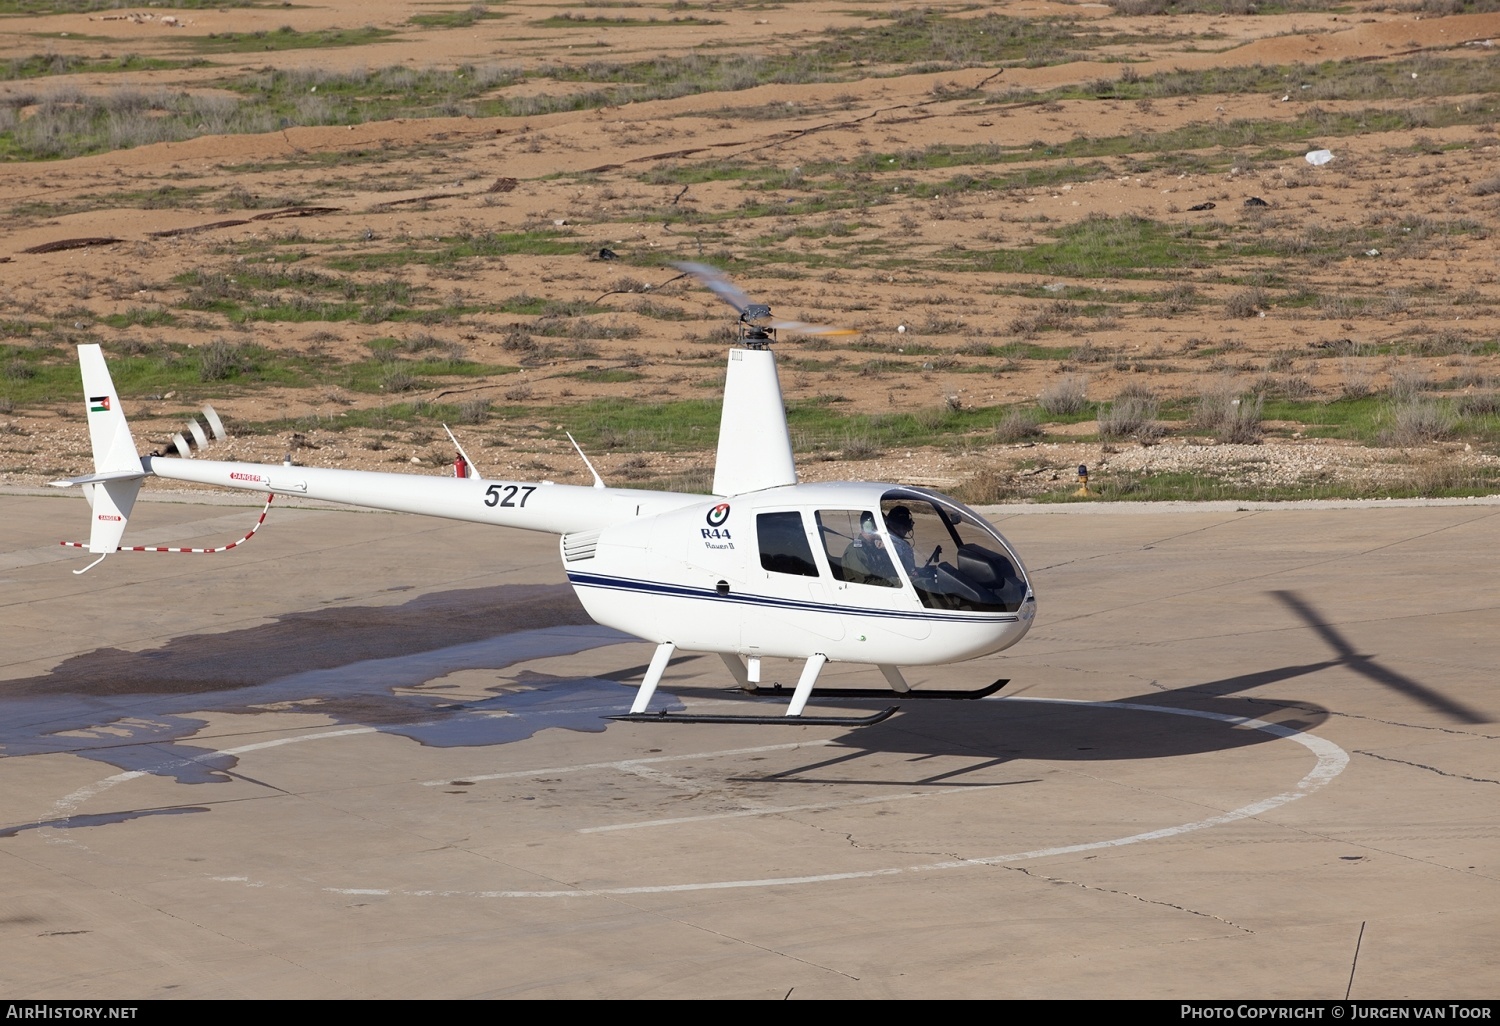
(115, 475)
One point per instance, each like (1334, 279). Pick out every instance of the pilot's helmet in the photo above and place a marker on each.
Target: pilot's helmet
(899, 520)
(867, 522)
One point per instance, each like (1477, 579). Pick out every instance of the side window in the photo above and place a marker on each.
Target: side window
(856, 551)
(783, 544)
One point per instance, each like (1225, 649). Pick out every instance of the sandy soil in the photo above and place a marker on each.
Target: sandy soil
(901, 267)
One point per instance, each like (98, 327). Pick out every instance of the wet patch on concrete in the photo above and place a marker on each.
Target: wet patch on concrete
(580, 703)
(102, 819)
(354, 665)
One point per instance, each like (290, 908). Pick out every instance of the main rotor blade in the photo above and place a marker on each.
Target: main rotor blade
(1366, 666)
(719, 285)
(731, 293)
(803, 328)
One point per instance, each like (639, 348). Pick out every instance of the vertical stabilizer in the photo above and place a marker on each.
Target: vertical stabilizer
(114, 449)
(755, 447)
(116, 481)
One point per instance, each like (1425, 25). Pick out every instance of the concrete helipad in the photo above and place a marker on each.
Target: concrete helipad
(1245, 753)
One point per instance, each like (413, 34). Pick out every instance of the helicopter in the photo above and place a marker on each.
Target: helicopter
(765, 567)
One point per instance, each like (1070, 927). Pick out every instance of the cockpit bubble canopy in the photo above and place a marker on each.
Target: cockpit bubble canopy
(954, 558)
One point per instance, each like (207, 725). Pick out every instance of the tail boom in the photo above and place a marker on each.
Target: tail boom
(530, 506)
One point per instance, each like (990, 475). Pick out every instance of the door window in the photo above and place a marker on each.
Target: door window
(857, 550)
(784, 548)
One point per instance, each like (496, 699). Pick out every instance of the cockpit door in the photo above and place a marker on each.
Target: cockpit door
(863, 578)
(787, 593)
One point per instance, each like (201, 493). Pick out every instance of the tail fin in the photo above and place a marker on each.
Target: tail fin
(114, 448)
(112, 487)
(755, 447)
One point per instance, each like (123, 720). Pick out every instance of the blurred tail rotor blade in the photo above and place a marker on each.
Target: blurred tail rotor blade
(214, 423)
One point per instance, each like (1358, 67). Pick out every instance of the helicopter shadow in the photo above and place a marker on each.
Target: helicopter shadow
(985, 735)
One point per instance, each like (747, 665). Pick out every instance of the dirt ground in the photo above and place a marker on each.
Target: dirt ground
(1374, 273)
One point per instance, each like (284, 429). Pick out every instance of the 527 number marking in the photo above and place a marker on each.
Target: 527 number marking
(493, 494)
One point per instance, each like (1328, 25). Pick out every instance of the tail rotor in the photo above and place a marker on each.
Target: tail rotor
(197, 435)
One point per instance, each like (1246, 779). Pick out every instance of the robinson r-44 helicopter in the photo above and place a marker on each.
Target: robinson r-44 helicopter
(882, 574)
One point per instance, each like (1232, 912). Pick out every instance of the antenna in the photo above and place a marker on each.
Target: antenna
(598, 481)
(461, 452)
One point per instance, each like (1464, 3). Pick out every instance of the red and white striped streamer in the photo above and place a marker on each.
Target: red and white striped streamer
(164, 548)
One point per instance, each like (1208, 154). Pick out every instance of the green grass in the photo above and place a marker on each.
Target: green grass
(163, 197)
(281, 291)
(43, 7)
(142, 316)
(1233, 7)
(273, 99)
(917, 36)
(1419, 482)
(1394, 237)
(284, 38)
(453, 249)
(374, 375)
(160, 368)
(1100, 246)
(619, 21)
(34, 377)
(456, 19)
(42, 65)
(825, 187)
(525, 303)
(686, 424)
(1353, 419)
(605, 375)
(1329, 80)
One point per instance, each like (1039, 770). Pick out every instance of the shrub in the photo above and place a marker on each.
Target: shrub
(1245, 304)
(1129, 417)
(1228, 416)
(1484, 404)
(398, 379)
(220, 359)
(1017, 426)
(1416, 422)
(1407, 382)
(474, 411)
(1065, 397)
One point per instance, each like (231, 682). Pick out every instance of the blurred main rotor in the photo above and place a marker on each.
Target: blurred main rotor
(757, 327)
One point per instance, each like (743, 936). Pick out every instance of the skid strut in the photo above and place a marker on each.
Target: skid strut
(798, 697)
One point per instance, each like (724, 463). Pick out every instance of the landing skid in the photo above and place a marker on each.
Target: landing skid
(813, 721)
(777, 691)
(748, 676)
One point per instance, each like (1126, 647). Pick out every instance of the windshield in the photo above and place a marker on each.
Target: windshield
(953, 557)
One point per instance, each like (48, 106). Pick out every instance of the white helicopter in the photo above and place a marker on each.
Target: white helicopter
(764, 567)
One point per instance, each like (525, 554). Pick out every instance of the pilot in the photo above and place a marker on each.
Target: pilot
(899, 523)
(865, 560)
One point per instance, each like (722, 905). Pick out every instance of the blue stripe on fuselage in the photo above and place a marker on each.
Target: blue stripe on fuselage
(683, 591)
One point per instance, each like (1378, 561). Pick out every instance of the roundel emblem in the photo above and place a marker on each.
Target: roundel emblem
(718, 515)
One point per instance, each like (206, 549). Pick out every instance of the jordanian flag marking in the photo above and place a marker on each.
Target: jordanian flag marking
(99, 404)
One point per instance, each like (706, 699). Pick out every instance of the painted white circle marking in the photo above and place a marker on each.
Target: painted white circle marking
(1331, 761)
